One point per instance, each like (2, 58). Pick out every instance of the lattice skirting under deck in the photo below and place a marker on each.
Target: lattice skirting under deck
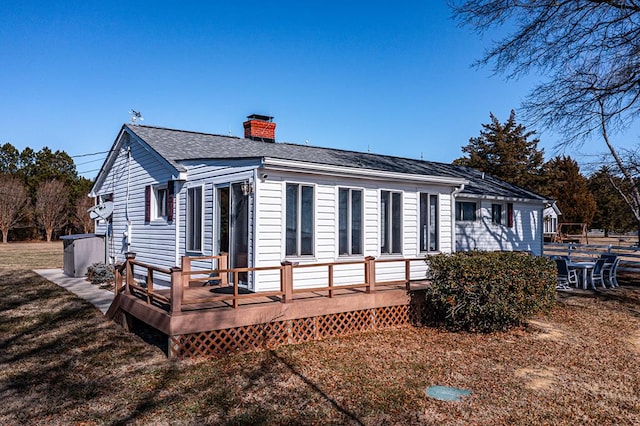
(270, 335)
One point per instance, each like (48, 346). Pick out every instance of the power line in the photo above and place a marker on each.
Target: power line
(88, 171)
(87, 162)
(88, 155)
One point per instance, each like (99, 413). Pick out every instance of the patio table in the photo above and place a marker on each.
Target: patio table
(582, 268)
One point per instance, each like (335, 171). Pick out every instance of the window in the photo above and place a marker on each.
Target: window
(390, 222)
(465, 211)
(496, 213)
(299, 220)
(428, 222)
(194, 219)
(349, 221)
(158, 202)
(161, 203)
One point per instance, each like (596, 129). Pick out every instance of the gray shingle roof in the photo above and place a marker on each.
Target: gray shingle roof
(179, 145)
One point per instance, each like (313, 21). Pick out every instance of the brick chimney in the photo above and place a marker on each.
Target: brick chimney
(260, 128)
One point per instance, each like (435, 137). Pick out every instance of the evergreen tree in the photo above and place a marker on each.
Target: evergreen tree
(507, 151)
(9, 159)
(613, 213)
(570, 189)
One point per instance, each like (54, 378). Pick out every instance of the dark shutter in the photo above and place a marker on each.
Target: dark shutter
(147, 203)
(170, 198)
(510, 215)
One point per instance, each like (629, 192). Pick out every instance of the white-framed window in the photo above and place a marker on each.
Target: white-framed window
(496, 214)
(160, 194)
(390, 222)
(194, 219)
(350, 224)
(550, 224)
(299, 239)
(465, 211)
(429, 212)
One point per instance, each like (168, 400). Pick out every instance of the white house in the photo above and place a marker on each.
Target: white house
(551, 214)
(177, 192)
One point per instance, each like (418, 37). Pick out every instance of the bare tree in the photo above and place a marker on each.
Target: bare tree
(51, 206)
(81, 215)
(13, 203)
(589, 52)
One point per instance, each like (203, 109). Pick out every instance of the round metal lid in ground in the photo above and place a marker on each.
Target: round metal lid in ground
(446, 393)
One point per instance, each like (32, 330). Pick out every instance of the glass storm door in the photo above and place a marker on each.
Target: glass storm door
(233, 227)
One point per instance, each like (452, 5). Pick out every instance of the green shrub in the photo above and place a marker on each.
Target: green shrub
(488, 291)
(100, 273)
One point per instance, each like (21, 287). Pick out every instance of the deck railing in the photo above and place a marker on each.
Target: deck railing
(181, 283)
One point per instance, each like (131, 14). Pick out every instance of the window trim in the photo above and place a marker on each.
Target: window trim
(499, 216)
(157, 202)
(189, 247)
(459, 211)
(299, 220)
(349, 230)
(429, 196)
(510, 215)
(389, 225)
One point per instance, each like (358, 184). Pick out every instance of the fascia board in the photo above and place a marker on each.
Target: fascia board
(463, 195)
(350, 172)
(179, 174)
(108, 163)
(175, 169)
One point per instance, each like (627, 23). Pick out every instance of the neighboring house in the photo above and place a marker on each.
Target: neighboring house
(181, 193)
(550, 215)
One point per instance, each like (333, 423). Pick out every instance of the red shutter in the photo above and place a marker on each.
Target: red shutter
(170, 198)
(147, 203)
(510, 215)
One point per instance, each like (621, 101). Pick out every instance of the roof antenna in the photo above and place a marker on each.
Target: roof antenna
(135, 115)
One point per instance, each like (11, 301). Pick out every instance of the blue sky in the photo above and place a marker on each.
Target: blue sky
(389, 77)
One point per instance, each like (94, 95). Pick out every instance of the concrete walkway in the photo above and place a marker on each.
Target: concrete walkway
(80, 287)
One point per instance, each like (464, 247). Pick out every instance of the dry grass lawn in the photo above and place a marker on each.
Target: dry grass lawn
(61, 362)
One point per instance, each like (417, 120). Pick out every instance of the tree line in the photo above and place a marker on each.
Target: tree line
(510, 152)
(41, 195)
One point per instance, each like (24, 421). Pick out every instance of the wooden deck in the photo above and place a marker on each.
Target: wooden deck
(208, 320)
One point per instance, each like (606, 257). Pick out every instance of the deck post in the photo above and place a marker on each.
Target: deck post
(370, 273)
(186, 267)
(119, 267)
(130, 257)
(223, 265)
(286, 281)
(407, 273)
(177, 291)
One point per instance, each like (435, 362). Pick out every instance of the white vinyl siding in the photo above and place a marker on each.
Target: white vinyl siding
(270, 229)
(485, 234)
(153, 242)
